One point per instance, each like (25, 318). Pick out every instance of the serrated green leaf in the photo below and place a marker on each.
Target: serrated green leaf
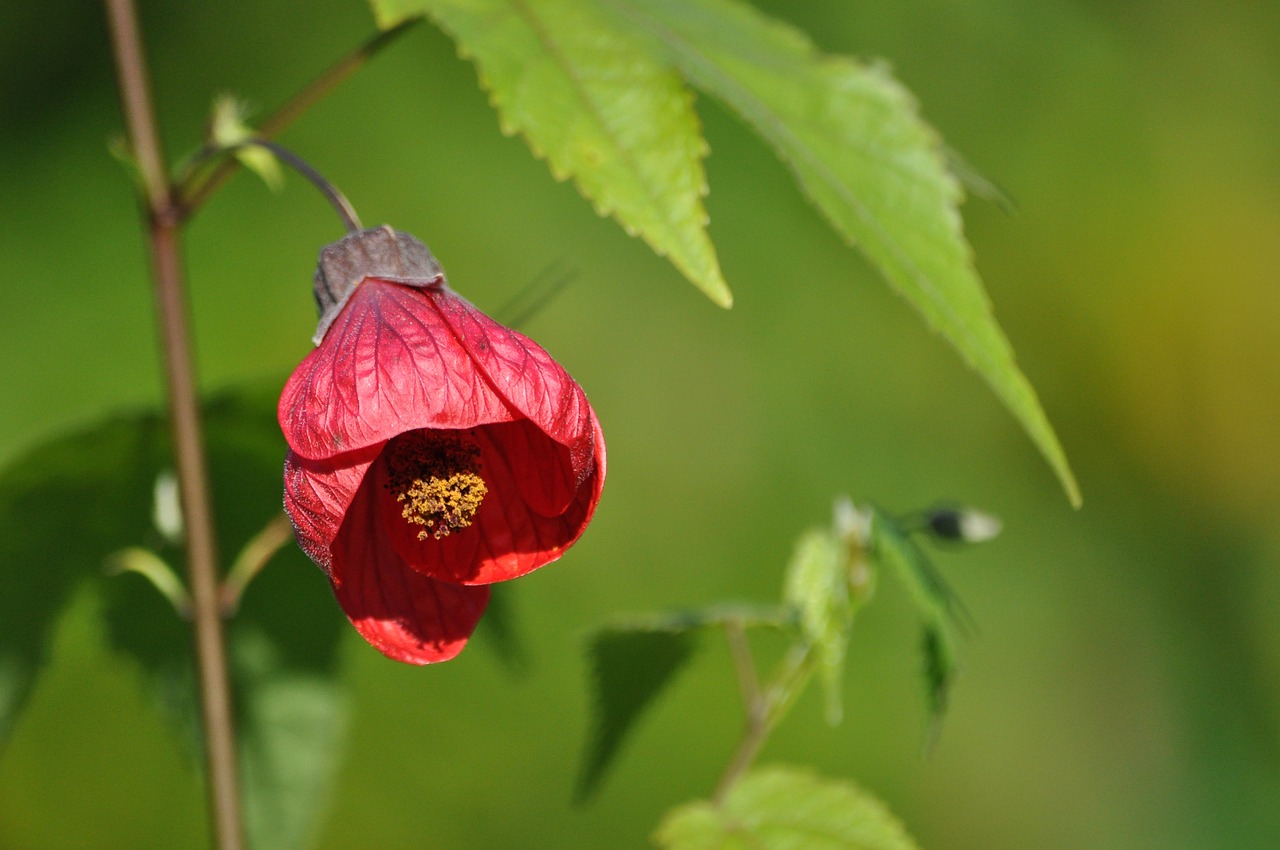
(854, 139)
(63, 506)
(594, 101)
(629, 669)
(282, 644)
(934, 599)
(817, 586)
(781, 808)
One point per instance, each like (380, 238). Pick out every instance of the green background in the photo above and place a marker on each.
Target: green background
(1122, 691)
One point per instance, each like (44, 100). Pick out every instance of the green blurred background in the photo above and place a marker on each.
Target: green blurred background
(1122, 691)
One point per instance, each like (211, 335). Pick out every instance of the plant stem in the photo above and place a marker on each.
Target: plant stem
(163, 222)
(192, 197)
(764, 708)
(753, 704)
(743, 664)
(252, 558)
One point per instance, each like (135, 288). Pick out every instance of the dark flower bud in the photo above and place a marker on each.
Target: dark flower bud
(962, 524)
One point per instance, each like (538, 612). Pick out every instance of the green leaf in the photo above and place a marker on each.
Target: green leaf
(629, 669)
(817, 585)
(63, 506)
(282, 643)
(594, 101)
(934, 599)
(228, 128)
(780, 808)
(853, 137)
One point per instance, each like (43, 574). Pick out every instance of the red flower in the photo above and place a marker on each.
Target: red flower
(432, 451)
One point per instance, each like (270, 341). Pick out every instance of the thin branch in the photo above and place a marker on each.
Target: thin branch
(764, 712)
(754, 706)
(192, 197)
(184, 411)
(252, 558)
(744, 665)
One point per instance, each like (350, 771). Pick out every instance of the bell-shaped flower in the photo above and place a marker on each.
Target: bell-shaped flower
(432, 451)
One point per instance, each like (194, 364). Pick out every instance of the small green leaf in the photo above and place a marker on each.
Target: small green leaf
(934, 599)
(817, 585)
(781, 808)
(594, 101)
(854, 139)
(228, 128)
(629, 669)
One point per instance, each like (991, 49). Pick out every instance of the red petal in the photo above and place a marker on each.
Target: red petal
(534, 509)
(317, 494)
(405, 615)
(523, 374)
(388, 364)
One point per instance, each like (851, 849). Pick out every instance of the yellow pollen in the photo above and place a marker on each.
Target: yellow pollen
(436, 479)
(443, 505)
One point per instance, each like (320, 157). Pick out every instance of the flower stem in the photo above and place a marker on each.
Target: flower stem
(350, 220)
(260, 549)
(163, 221)
(192, 195)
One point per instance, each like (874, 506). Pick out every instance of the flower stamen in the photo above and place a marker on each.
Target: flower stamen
(437, 481)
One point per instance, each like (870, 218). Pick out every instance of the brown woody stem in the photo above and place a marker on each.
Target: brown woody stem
(163, 220)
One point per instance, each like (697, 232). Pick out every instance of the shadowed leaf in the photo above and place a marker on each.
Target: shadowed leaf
(629, 669)
(282, 643)
(63, 507)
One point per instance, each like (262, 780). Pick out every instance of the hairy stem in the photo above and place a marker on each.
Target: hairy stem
(163, 222)
(192, 196)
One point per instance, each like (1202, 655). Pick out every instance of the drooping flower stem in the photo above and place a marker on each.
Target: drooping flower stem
(193, 194)
(163, 239)
(350, 220)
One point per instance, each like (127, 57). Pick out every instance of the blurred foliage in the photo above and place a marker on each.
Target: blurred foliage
(780, 808)
(1123, 689)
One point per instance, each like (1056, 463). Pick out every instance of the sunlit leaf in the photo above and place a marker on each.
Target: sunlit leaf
(629, 669)
(592, 100)
(780, 808)
(817, 585)
(853, 137)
